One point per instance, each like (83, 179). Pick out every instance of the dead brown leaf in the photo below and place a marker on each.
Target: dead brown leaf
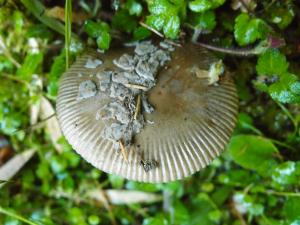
(51, 125)
(59, 13)
(243, 5)
(120, 197)
(11, 167)
(6, 151)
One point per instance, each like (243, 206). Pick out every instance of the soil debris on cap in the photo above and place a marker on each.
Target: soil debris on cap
(86, 90)
(127, 87)
(125, 62)
(93, 63)
(166, 45)
(148, 165)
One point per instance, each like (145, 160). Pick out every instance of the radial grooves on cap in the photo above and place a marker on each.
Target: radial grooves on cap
(191, 161)
(186, 164)
(208, 150)
(173, 149)
(193, 146)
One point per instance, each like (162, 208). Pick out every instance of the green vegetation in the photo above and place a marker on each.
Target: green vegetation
(255, 181)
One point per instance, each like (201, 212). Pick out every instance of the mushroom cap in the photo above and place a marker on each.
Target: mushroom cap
(192, 121)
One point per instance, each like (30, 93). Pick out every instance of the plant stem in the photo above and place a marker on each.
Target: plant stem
(14, 78)
(151, 29)
(16, 216)
(282, 144)
(68, 30)
(236, 52)
(288, 194)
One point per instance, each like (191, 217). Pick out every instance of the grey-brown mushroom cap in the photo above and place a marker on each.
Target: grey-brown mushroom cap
(191, 124)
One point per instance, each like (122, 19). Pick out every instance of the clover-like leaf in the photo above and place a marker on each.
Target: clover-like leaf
(100, 31)
(282, 16)
(204, 21)
(286, 90)
(159, 7)
(123, 21)
(204, 5)
(95, 29)
(171, 27)
(134, 7)
(103, 41)
(286, 173)
(165, 16)
(271, 62)
(247, 30)
(157, 22)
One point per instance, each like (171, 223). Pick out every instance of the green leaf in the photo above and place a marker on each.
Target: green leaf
(203, 206)
(58, 66)
(58, 164)
(204, 21)
(94, 220)
(271, 62)
(43, 171)
(141, 33)
(171, 27)
(291, 208)
(246, 203)
(204, 5)
(248, 30)
(245, 124)
(148, 187)
(238, 176)
(39, 31)
(287, 90)
(165, 15)
(134, 7)
(160, 7)
(30, 65)
(221, 195)
(157, 22)
(280, 92)
(256, 209)
(181, 213)
(116, 181)
(176, 188)
(282, 16)
(159, 219)
(124, 22)
(18, 21)
(5, 64)
(253, 152)
(285, 173)
(100, 31)
(76, 216)
(95, 29)
(103, 41)
(57, 69)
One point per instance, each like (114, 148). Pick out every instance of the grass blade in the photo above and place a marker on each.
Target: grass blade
(68, 30)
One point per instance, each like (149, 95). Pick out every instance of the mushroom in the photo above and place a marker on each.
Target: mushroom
(187, 119)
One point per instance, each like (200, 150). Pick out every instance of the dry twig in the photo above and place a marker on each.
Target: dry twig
(123, 150)
(138, 106)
